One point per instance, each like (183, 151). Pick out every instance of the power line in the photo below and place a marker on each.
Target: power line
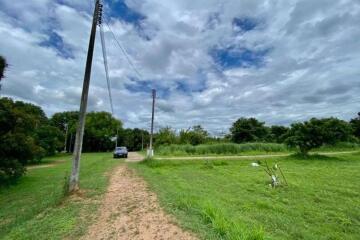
(106, 67)
(124, 51)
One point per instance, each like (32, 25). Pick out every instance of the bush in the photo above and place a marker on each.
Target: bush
(318, 132)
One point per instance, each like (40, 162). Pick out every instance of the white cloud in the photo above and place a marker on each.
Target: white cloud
(311, 68)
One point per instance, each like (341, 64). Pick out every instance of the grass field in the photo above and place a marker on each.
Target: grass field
(36, 209)
(232, 200)
(228, 149)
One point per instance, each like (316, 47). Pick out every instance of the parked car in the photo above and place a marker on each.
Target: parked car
(120, 152)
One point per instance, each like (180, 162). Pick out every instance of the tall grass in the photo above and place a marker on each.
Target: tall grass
(220, 149)
(341, 146)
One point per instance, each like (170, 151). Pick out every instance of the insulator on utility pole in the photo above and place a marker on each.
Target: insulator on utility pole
(74, 177)
(150, 151)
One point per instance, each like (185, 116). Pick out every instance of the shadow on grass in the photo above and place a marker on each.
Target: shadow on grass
(315, 157)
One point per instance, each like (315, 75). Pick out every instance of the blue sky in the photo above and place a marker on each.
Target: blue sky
(211, 61)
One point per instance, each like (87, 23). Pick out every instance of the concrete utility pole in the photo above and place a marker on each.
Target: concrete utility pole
(74, 178)
(66, 134)
(142, 140)
(150, 152)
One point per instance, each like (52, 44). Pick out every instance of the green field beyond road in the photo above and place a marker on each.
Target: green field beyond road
(232, 200)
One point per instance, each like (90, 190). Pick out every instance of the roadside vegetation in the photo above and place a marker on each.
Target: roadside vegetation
(38, 208)
(228, 149)
(233, 200)
(28, 135)
(221, 149)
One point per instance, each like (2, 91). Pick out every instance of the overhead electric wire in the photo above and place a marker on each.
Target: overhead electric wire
(123, 51)
(106, 67)
(108, 82)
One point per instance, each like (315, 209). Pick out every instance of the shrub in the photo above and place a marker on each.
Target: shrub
(317, 132)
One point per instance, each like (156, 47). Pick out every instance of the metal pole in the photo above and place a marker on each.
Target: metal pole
(151, 151)
(74, 178)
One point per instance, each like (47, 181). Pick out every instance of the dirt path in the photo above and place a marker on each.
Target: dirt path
(130, 211)
(134, 157)
(247, 156)
(45, 165)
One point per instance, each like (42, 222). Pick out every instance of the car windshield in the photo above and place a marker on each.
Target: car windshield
(121, 148)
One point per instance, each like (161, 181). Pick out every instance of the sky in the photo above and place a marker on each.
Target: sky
(211, 61)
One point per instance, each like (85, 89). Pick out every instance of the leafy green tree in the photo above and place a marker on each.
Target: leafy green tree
(63, 120)
(133, 139)
(25, 137)
(100, 128)
(317, 132)
(278, 133)
(248, 130)
(194, 136)
(49, 138)
(355, 124)
(165, 136)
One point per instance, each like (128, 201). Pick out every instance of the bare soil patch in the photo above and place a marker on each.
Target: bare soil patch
(130, 211)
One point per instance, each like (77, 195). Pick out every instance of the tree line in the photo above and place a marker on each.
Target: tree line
(304, 136)
(27, 135)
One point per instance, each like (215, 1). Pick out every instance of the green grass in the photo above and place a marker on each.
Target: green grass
(36, 209)
(227, 149)
(220, 149)
(232, 200)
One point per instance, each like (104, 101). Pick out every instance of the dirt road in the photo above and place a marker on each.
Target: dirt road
(130, 211)
(134, 157)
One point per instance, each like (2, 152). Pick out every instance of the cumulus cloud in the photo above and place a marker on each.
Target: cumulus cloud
(211, 61)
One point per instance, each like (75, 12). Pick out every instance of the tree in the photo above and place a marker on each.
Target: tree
(165, 136)
(25, 137)
(248, 130)
(278, 133)
(355, 124)
(317, 132)
(194, 136)
(100, 128)
(133, 139)
(60, 121)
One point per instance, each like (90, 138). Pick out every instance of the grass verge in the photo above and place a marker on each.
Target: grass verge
(232, 200)
(36, 208)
